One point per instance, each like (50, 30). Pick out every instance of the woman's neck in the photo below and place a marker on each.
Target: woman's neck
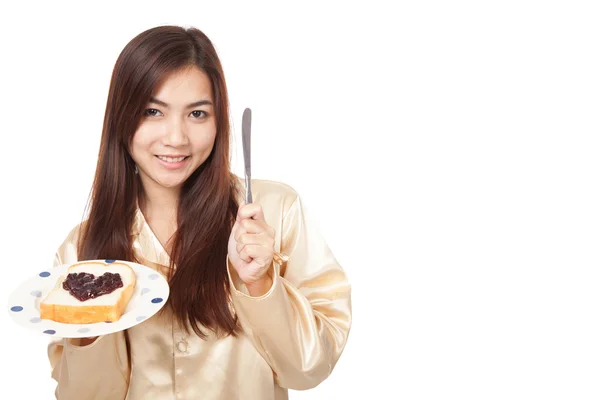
(160, 201)
(159, 206)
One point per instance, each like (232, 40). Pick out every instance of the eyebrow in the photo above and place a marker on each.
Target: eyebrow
(196, 104)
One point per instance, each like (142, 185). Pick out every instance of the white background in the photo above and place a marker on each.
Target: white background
(448, 150)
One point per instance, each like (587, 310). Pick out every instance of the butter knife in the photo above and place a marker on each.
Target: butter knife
(246, 135)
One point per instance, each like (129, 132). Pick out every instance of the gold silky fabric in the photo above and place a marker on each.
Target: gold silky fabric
(292, 336)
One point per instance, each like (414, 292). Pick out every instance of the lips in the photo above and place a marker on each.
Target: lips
(172, 159)
(173, 162)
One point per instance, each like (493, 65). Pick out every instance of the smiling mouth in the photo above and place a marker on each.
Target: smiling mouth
(172, 159)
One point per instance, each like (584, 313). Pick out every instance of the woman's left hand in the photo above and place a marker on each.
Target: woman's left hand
(251, 248)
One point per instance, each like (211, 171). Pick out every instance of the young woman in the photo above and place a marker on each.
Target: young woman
(258, 303)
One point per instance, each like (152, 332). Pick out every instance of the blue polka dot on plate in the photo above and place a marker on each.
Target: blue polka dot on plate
(157, 300)
(19, 308)
(35, 320)
(50, 331)
(153, 276)
(109, 261)
(145, 290)
(45, 274)
(140, 318)
(83, 330)
(36, 293)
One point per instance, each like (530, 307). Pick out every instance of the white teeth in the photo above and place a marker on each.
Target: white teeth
(170, 159)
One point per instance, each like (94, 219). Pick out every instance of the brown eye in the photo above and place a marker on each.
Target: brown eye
(199, 114)
(151, 112)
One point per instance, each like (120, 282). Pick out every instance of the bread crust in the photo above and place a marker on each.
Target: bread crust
(82, 314)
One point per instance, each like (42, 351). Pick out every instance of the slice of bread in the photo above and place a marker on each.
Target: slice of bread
(62, 306)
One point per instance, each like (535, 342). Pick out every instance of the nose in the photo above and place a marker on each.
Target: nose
(175, 135)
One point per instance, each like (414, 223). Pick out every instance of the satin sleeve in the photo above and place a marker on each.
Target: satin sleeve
(301, 325)
(98, 371)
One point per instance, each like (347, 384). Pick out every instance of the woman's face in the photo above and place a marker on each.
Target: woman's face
(177, 131)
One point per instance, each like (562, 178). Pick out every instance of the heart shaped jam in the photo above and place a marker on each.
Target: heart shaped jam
(84, 286)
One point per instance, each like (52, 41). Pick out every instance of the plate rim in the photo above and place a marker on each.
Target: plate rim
(106, 327)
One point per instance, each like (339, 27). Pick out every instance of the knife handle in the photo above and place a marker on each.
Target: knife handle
(248, 190)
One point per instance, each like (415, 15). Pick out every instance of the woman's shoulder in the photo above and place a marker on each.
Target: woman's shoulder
(67, 249)
(270, 192)
(266, 187)
(73, 234)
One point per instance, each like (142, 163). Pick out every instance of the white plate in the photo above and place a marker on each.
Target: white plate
(150, 295)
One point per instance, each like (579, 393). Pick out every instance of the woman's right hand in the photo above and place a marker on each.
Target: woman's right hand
(82, 341)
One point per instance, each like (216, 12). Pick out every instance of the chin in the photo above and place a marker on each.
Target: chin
(171, 183)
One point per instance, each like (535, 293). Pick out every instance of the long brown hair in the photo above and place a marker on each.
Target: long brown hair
(208, 203)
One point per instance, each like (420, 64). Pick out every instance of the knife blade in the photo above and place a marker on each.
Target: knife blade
(246, 136)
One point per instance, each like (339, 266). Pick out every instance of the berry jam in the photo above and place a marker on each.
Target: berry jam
(84, 286)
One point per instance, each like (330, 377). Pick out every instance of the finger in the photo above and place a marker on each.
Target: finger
(255, 252)
(251, 211)
(254, 239)
(259, 239)
(237, 231)
(254, 226)
(242, 228)
(244, 256)
(237, 217)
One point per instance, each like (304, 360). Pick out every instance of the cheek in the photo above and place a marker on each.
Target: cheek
(142, 141)
(204, 143)
(136, 149)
